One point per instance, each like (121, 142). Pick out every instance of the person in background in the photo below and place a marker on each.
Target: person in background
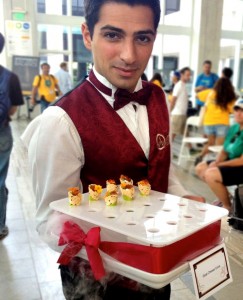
(218, 106)
(114, 110)
(46, 85)
(227, 169)
(179, 103)
(174, 79)
(205, 80)
(64, 78)
(227, 73)
(144, 77)
(158, 80)
(13, 97)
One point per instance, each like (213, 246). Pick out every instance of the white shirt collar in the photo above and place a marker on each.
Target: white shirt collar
(104, 81)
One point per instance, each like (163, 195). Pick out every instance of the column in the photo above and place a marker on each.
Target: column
(206, 33)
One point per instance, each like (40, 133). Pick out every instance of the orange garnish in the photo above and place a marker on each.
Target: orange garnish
(74, 190)
(111, 181)
(124, 177)
(144, 182)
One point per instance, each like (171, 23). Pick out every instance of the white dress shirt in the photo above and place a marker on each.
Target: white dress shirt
(180, 92)
(64, 81)
(56, 153)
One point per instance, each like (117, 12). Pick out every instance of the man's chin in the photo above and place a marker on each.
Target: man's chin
(126, 84)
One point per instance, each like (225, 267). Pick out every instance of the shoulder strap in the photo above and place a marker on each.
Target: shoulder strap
(39, 81)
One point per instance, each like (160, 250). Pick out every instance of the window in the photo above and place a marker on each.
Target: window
(232, 15)
(64, 7)
(172, 6)
(80, 53)
(78, 7)
(53, 37)
(178, 13)
(65, 41)
(41, 6)
(43, 40)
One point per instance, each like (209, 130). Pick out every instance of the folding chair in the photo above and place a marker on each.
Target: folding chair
(186, 140)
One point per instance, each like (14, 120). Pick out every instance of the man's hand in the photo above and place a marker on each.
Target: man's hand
(200, 88)
(213, 164)
(32, 101)
(195, 198)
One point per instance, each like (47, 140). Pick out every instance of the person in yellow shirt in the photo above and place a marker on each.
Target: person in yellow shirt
(46, 86)
(219, 103)
(157, 80)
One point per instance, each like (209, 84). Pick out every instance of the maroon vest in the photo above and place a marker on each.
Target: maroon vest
(110, 149)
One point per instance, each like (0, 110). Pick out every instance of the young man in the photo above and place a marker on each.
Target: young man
(64, 78)
(10, 87)
(204, 81)
(179, 103)
(95, 132)
(46, 85)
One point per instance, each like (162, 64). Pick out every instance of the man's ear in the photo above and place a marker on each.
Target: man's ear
(86, 36)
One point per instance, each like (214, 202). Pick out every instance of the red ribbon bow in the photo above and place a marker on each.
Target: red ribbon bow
(123, 97)
(75, 238)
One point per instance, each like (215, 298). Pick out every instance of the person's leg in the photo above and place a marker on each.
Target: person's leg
(211, 142)
(219, 140)
(221, 132)
(6, 143)
(214, 179)
(44, 104)
(200, 169)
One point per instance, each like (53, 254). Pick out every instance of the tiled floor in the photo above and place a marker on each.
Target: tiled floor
(28, 269)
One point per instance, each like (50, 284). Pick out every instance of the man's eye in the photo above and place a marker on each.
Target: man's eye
(144, 39)
(112, 35)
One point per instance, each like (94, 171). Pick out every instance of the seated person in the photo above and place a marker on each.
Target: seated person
(227, 169)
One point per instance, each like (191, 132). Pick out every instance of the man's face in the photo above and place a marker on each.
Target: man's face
(186, 76)
(45, 70)
(122, 43)
(207, 68)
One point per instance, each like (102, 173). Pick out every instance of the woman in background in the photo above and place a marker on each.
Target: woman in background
(158, 80)
(227, 169)
(219, 104)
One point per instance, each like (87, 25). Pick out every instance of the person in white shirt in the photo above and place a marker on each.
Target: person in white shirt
(179, 103)
(64, 78)
(91, 134)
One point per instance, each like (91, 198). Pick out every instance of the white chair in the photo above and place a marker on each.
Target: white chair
(186, 140)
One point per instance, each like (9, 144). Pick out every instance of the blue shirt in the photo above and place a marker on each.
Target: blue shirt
(207, 81)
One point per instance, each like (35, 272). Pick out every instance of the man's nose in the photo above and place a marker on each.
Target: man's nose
(128, 52)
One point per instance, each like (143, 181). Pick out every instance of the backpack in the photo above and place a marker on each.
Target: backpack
(52, 77)
(236, 221)
(5, 102)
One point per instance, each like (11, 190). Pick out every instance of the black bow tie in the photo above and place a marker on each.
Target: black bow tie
(123, 97)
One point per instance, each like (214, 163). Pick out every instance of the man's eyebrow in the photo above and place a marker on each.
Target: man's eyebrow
(109, 27)
(119, 30)
(149, 31)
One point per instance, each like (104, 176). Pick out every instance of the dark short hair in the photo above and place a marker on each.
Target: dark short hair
(183, 70)
(2, 41)
(228, 72)
(92, 10)
(63, 64)
(207, 62)
(45, 64)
